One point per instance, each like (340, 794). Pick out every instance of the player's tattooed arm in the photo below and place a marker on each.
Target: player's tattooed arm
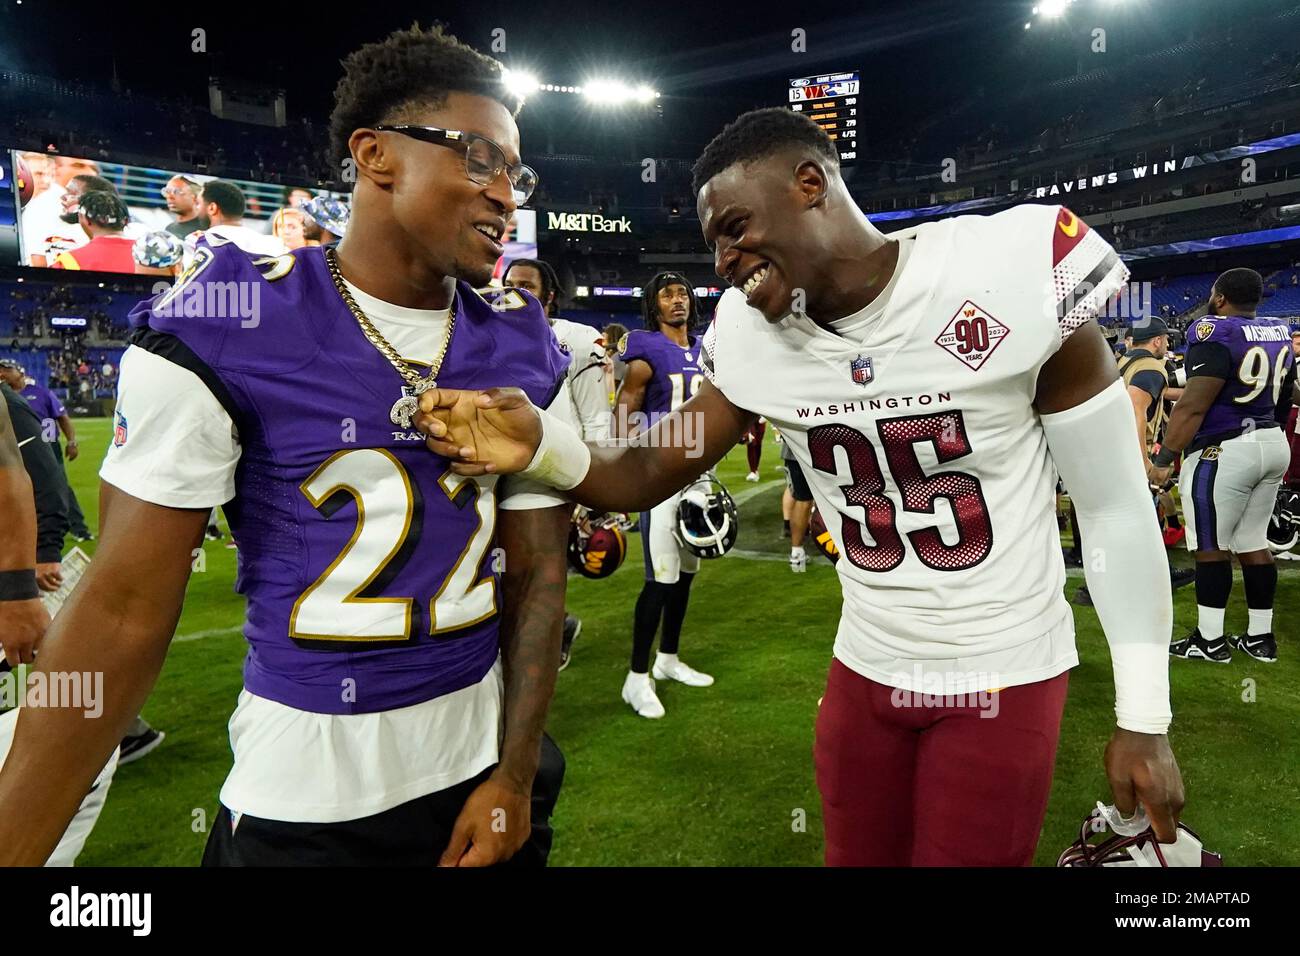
(496, 819)
(128, 601)
(498, 431)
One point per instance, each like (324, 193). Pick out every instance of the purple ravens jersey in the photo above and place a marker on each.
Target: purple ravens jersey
(44, 403)
(1253, 356)
(675, 371)
(367, 565)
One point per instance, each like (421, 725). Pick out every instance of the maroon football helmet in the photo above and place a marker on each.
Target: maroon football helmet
(1135, 849)
(597, 545)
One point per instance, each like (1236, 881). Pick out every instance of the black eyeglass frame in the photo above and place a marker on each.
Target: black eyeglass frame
(461, 141)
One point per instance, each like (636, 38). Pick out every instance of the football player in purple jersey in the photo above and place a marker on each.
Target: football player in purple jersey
(1229, 426)
(663, 371)
(403, 622)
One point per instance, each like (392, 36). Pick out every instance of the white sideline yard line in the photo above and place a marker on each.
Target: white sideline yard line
(211, 632)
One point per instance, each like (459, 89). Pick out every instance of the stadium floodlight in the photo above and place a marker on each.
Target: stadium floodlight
(520, 82)
(1053, 8)
(606, 92)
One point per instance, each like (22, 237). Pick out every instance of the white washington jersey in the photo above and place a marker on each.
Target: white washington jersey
(916, 430)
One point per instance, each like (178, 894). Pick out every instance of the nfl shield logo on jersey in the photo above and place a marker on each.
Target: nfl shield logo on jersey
(861, 370)
(119, 430)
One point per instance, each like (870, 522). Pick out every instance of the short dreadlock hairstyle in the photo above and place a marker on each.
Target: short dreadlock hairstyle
(550, 281)
(757, 135)
(1243, 287)
(650, 299)
(409, 68)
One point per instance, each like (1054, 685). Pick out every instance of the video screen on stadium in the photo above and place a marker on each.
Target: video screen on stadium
(831, 101)
(520, 241)
(48, 231)
(8, 216)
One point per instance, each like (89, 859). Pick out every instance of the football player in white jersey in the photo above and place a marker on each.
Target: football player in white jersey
(932, 384)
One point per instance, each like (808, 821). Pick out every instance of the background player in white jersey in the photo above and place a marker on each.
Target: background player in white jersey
(586, 378)
(1240, 375)
(663, 371)
(932, 384)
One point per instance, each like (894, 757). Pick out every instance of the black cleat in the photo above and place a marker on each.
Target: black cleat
(213, 533)
(1178, 577)
(133, 748)
(1083, 597)
(572, 628)
(1262, 647)
(1193, 646)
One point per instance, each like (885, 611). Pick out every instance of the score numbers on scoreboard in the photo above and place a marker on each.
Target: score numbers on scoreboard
(831, 101)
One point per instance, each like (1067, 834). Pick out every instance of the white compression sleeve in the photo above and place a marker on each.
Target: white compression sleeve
(1124, 557)
(561, 459)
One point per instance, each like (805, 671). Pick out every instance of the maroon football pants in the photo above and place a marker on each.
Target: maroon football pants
(906, 784)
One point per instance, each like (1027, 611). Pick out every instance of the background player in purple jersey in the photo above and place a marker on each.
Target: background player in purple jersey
(48, 408)
(403, 635)
(663, 371)
(1228, 423)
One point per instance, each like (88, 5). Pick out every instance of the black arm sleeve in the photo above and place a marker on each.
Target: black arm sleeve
(49, 484)
(1209, 358)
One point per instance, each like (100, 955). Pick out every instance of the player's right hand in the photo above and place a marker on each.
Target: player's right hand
(25, 624)
(495, 431)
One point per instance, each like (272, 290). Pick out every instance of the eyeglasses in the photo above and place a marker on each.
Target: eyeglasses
(484, 160)
(174, 191)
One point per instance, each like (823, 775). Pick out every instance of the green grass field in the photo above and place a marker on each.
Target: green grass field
(721, 780)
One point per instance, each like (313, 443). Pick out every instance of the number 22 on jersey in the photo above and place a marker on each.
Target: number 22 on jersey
(389, 516)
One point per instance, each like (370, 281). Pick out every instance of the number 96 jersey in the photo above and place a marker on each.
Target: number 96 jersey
(916, 430)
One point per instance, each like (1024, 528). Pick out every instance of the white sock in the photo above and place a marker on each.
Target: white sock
(1209, 621)
(666, 659)
(796, 550)
(1261, 621)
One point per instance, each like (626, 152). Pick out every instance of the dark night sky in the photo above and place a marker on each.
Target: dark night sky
(710, 60)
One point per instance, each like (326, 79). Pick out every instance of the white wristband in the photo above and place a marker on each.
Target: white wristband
(562, 459)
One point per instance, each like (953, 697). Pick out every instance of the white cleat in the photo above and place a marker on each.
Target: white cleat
(752, 476)
(798, 561)
(639, 692)
(670, 668)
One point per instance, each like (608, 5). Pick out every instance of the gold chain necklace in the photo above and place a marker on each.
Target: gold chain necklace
(404, 409)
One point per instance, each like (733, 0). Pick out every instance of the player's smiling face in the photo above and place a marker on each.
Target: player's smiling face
(752, 214)
(446, 214)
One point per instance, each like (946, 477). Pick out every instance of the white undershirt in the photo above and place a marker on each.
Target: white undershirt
(181, 451)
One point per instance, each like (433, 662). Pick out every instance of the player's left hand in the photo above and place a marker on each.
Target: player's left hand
(72, 451)
(1142, 769)
(494, 823)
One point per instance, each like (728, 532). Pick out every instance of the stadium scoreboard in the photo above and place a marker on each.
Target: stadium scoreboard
(830, 101)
